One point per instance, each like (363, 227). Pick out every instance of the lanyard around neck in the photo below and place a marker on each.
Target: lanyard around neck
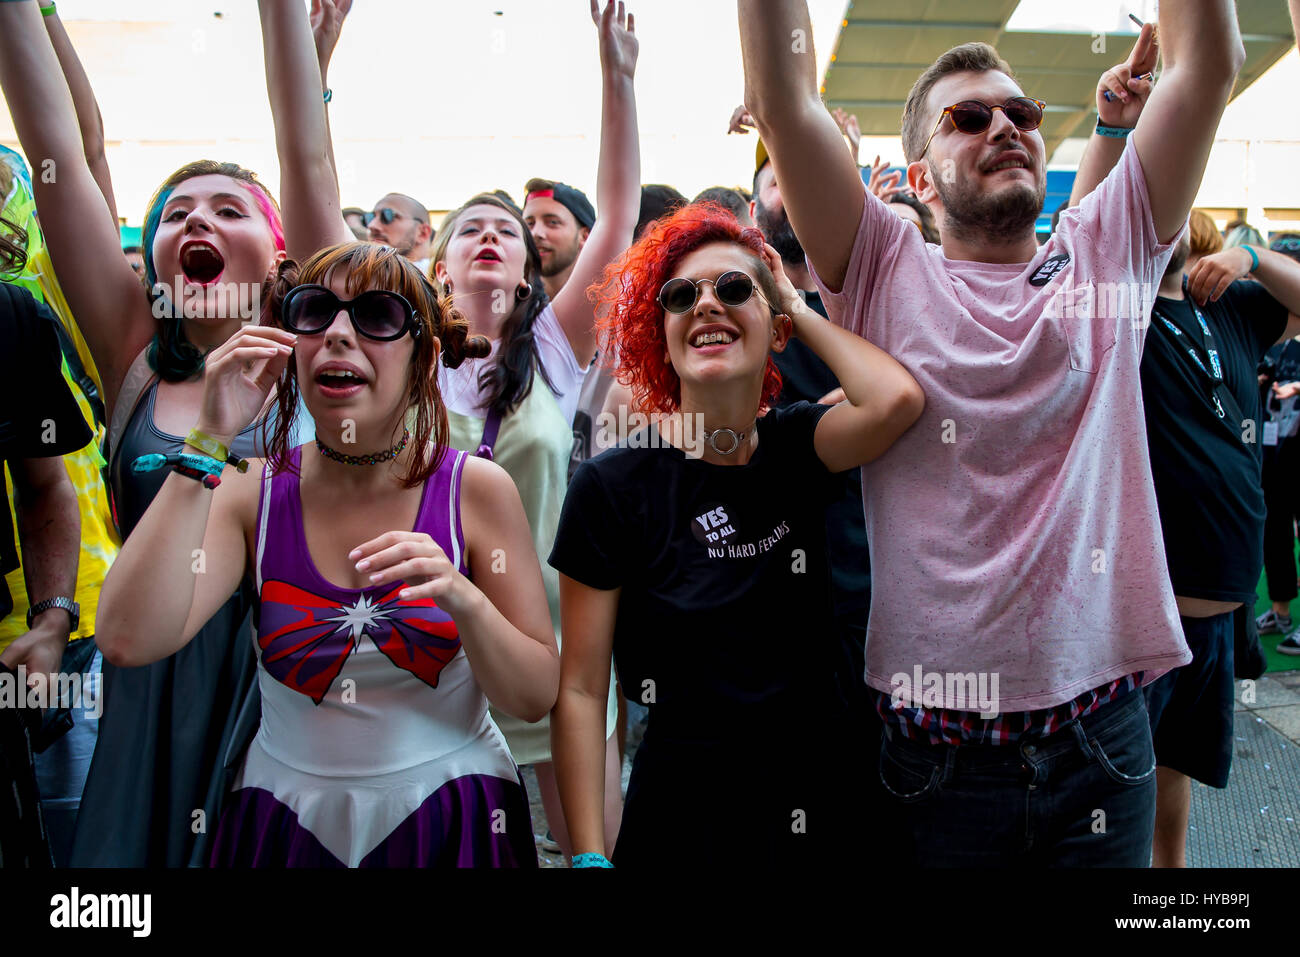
(1210, 366)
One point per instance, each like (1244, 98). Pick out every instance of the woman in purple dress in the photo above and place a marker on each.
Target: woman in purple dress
(397, 590)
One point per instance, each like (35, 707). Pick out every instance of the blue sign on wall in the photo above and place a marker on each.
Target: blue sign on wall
(1059, 184)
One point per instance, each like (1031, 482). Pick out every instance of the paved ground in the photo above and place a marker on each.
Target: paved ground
(1254, 822)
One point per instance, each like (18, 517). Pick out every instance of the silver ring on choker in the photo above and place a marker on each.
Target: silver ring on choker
(736, 439)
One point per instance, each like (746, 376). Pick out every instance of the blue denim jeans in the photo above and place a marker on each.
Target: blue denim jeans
(1084, 796)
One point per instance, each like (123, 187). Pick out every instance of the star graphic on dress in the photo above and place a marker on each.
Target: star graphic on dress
(357, 616)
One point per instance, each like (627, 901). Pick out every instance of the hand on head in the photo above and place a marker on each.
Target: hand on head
(790, 298)
(1210, 277)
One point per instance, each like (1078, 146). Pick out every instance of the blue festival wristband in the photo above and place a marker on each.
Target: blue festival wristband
(589, 860)
(197, 463)
(1254, 259)
(1117, 132)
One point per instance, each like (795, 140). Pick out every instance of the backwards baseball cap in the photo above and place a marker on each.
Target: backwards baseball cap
(574, 200)
(760, 157)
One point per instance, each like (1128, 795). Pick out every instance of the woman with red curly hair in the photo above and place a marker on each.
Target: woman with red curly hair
(695, 555)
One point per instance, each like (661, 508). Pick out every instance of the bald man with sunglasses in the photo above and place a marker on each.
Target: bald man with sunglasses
(1025, 599)
(402, 222)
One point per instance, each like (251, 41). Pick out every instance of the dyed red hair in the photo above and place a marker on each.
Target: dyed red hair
(628, 314)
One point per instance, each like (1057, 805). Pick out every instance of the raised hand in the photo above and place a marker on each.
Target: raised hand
(848, 124)
(1123, 90)
(240, 374)
(618, 43)
(1213, 274)
(414, 558)
(327, 18)
(883, 184)
(741, 120)
(791, 301)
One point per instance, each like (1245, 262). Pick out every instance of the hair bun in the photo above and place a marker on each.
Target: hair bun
(274, 293)
(457, 344)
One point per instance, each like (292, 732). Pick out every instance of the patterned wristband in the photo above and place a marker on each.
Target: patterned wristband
(1118, 132)
(198, 463)
(590, 859)
(206, 479)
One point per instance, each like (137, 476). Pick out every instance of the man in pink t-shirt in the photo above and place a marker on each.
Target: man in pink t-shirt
(1020, 593)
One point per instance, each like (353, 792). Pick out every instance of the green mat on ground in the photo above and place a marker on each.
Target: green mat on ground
(1276, 662)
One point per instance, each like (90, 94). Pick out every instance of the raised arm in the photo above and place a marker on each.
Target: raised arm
(102, 290)
(83, 99)
(178, 566)
(188, 553)
(1203, 53)
(820, 185)
(1122, 92)
(309, 189)
(881, 399)
(327, 18)
(618, 180)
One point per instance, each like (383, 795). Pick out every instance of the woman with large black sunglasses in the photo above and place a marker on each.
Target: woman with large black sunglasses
(384, 619)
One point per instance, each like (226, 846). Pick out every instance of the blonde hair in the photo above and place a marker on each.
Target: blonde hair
(1205, 238)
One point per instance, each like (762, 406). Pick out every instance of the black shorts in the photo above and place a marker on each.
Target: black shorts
(1191, 707)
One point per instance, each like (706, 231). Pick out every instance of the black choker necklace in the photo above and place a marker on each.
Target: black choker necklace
(374, 458)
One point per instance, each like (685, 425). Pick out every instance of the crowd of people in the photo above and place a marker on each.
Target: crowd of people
(942, 541)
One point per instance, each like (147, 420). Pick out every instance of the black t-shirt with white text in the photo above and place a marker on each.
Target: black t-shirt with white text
(1207, 468)
(725, 602)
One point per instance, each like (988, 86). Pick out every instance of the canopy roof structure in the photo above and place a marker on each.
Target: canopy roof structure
(884, 45)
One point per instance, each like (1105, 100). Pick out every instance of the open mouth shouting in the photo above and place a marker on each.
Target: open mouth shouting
(201, 264)
(339, 380)
(488, 255)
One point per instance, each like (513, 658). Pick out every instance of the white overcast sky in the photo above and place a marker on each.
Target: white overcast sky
(443, 98)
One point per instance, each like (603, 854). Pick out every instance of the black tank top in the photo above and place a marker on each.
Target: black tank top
(133, 491)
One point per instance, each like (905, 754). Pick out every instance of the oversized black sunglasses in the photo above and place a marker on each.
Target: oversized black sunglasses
(732, 288)
(377, 314)
(972, 116)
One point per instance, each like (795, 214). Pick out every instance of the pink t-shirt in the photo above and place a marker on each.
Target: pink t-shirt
(1013, 528)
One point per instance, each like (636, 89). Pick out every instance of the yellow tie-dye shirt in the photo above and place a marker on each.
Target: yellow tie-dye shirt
(99, 538)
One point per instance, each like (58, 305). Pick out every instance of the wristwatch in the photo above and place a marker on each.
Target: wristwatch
(67, 604)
